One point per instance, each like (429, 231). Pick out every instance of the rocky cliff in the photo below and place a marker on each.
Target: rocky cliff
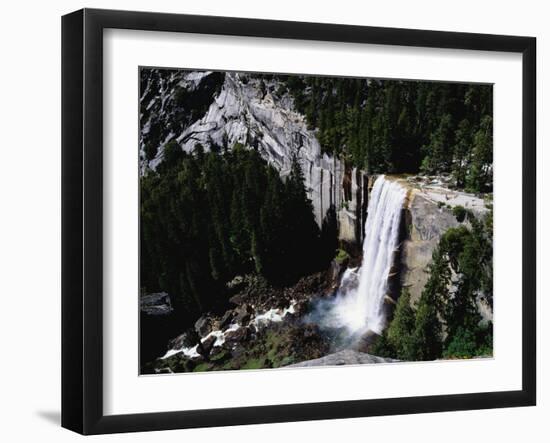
(429, 213)
(353, 211)
(237, 108)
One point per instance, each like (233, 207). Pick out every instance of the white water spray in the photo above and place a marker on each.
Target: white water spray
(274, 315)
(360, 300)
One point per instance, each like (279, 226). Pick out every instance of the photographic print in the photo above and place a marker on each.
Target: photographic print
(301, 220)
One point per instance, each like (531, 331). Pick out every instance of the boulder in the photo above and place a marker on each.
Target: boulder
(244, 314)
(238, 336)
(365, 342)
(227, 319)
(181, 341)
(156, 304)
(203, 325)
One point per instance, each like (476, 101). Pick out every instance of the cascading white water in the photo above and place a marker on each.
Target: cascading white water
(359, 303)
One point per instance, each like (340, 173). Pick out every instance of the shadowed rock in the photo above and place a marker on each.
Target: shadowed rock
(203, 325)
(155, 304)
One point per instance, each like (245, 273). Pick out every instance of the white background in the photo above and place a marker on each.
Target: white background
(30, 221)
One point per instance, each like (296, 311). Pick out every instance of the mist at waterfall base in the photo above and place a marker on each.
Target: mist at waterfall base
(358, 306)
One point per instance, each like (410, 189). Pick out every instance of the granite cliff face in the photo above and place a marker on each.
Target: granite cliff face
(429, 213)
(426, 224)
(238, 108)
(355, 199)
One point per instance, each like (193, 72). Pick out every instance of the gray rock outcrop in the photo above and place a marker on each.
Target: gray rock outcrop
(345, 357)
(427, 224)
(155, 304)
(429, 214)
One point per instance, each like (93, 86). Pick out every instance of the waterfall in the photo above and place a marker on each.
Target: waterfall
(359, 304)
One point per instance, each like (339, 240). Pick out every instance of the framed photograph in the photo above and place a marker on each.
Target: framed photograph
(269, 221)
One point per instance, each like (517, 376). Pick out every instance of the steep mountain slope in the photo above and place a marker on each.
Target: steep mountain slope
(236, 108)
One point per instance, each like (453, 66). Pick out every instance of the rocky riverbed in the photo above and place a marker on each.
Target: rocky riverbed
(265, 328)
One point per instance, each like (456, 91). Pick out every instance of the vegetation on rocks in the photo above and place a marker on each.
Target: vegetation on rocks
(446, 322)
(274, 346)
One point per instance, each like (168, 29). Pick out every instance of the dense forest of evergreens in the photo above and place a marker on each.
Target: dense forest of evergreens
(207, 217)
(391, 126)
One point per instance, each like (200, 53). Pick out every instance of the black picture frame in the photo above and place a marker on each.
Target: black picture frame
(82, 218)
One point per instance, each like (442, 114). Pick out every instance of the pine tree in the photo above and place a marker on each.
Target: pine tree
(461, 153)
(480, 178)
(427, 337)
(303, 232)
(439, 150)
(401, 330)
